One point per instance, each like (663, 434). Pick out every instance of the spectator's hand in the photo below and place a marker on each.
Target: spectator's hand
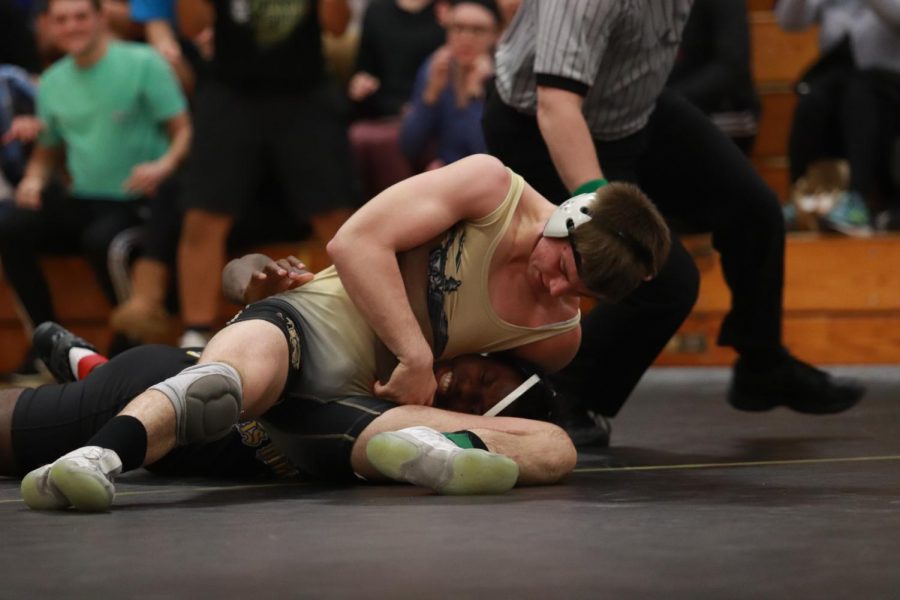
(482, 69)
(146, 177)
(205, 42)
(24, 128)
(28, 193)
(275, 277)
(169, 49)
(438, 75)
(410, 383)
(362, 85)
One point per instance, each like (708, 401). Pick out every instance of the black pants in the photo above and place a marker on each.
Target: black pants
(696, 176)
(52, 420)
(63, 225)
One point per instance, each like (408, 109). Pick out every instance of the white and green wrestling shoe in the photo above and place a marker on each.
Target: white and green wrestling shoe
(423, 456)
(82, 478)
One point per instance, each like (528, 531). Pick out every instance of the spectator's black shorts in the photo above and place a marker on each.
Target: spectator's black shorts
(298, 138)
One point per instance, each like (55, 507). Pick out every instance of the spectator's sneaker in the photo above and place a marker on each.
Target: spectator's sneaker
(794, 384)
(849, 216)
(52, 342)
(82, 478)
(148, 323)
(422, 456)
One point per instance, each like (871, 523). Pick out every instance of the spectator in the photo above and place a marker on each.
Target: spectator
(159, 21)
(116, 113)
(449, 95)
(17, 98)
(712, 68)
(848, 102)
(397, 36)
(267, 103)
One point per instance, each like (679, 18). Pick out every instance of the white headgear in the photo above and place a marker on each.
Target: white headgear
(569, 215)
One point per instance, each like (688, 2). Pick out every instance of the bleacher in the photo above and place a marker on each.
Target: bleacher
(842, 295)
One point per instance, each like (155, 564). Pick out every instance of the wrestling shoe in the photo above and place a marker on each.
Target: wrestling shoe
(82, 478)
(794, 384)
(40, 493)
(52, 342)
(422, 456)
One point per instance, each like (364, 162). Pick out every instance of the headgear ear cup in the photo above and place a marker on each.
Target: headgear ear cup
(569, 215)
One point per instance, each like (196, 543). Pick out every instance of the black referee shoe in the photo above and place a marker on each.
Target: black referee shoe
(585, 427)
(52, 343)
(792, 383)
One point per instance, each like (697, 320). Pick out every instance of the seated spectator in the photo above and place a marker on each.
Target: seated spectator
(448, 99)
(849, 102)
(17, 97)
(114, 110)
(396, 36)
(712, 68)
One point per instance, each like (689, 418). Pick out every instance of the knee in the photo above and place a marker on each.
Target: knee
(554, 457)
(206, 399)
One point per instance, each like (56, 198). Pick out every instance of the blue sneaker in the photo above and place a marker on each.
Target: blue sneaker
(849, 216)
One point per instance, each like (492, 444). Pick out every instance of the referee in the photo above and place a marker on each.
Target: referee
(579, 98)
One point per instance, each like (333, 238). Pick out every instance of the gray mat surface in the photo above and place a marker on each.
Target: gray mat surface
(694, 500)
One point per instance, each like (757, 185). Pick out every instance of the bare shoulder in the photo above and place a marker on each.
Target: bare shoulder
(479, 176)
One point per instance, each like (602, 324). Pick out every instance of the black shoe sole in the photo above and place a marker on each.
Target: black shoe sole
(759, 403)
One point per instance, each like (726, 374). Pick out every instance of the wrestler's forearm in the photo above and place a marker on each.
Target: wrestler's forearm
(372, 279)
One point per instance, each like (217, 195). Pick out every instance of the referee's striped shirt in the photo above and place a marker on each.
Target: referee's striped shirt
(616, 53)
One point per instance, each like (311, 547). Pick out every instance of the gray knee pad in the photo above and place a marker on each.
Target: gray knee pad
(207, 401)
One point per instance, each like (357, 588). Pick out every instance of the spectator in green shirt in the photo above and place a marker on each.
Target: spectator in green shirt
(114, 116)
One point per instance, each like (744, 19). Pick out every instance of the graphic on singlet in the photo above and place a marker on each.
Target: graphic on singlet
(272, 21)
(254, 435)
(440, 284)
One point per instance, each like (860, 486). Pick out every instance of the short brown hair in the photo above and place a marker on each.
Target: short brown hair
(626, 241)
